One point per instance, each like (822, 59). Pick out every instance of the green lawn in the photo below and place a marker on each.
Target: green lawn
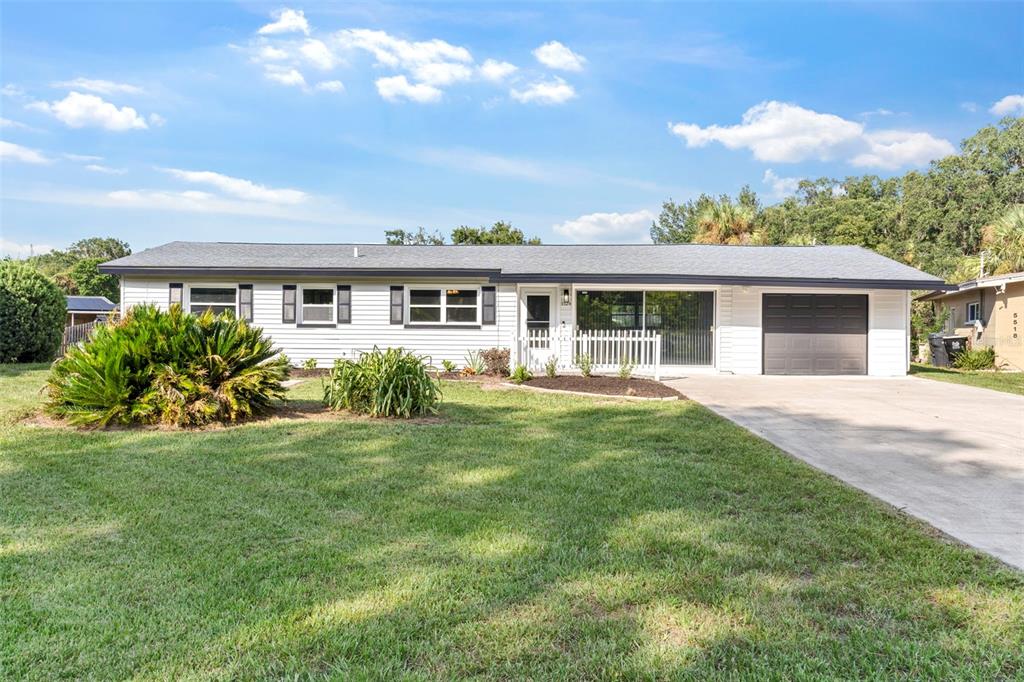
(1007, 382)
(522, 536)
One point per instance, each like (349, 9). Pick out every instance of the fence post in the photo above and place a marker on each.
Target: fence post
(657, 357)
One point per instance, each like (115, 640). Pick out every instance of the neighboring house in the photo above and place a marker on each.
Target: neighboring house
(83, 309)
(731, 309)
(990, 312)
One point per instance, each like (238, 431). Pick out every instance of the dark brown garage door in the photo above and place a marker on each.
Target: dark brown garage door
(815, 334)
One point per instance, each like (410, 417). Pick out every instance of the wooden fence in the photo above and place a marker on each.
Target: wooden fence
(75, 333)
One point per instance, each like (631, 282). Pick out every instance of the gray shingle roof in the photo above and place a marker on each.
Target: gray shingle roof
(561, 263)
(90, 304)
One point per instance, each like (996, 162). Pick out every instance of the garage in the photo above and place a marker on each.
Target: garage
(815, 333)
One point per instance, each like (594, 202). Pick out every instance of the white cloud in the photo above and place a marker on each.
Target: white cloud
(787, 133)
(318, 54)
(15, 152)
(18, 251)
(82, 158)
(396, 52)
(555, 55)
(271, 53)
(555, 91)
(239, 187)
(608, 227)
(781, 187)
(877, 112)
(969, 107)
(156, 120)
(495, 71)
(474, 161)
(79, 111)
(396, 88)
(106, 170)
(286, 21)
(1008, 106)
(441, 73)
(330, 86)
(101, 86)
(892, 149)
(11, 90)
(8, 123)
(284, 75)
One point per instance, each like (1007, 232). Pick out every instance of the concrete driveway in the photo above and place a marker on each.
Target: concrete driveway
(951, 455)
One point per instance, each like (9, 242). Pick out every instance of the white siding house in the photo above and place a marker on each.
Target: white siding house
(775, 310)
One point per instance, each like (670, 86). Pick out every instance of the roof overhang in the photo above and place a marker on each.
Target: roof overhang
(531, 278)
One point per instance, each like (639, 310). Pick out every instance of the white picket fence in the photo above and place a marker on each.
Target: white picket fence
(607, 349)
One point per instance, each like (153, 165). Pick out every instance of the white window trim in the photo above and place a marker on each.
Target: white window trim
(300, 313)
(187, 295)
(975, 306)
(443, 289)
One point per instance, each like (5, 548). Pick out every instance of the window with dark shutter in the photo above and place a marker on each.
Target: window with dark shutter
(397, 305)
(288, 304)
(245, 302)
(175, 293)
(344, 304)
(488, 305)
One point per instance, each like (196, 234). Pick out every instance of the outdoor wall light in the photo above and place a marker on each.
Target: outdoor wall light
(565, 297)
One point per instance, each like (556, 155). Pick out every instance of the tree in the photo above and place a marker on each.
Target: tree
(677, 223)
(100, 248)
(32, 314)
(418, 238)
(89, 281)
(500, 233)
(1003, 241)
(725, 222)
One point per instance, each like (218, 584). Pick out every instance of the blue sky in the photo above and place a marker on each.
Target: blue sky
(319, 122)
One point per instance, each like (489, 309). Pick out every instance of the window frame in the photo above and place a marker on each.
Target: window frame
(976, 307)
(443, 290)
(187, 294)
(300, 313)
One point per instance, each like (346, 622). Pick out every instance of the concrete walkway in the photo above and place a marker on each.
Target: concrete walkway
(951, 455)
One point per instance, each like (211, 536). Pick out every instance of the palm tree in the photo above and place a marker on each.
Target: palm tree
(723, 222)
(1004, 241)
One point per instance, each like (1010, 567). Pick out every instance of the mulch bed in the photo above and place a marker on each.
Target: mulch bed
(641, 388)
(301, 373)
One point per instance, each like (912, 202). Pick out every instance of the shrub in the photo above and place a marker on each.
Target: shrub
(310, 363)
(383, 383)
(626, 368)
(448, 365)
(551, 367)
(32, 314)
(168, 368)
(496, 360)
(585, 364)
(976, 358)
(520, 374)
(474, 364)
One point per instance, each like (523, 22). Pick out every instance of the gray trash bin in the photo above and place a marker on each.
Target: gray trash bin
(937, 349)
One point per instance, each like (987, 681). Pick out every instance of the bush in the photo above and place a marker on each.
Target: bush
(551, 367)
(586, 364)
(474, 364)
(496, 360)
(32, 314)
(168, 368)
(520, 374)
(448, 365)
(309, 363)
(388, 383)
(976, 358)
(626, 368)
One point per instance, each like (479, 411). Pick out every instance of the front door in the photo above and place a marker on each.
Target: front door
(538, 320)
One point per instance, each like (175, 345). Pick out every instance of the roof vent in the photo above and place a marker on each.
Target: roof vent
(355, 252)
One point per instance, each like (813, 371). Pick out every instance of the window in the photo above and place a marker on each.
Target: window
(245, 302)
(973, 312)
(288, 304)
(317, 305)
(397, 304)
(344, 304)
(217, 299)
(444, 306)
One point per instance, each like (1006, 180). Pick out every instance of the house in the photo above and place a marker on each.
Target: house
(989, 312)
(730, 309)
(83, 309)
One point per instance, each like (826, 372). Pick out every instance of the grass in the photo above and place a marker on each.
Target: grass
(522, 536)
(1007, 382)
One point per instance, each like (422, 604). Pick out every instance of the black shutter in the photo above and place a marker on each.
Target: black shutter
(397, 305)
(175, 291)
(288, 304)
(245, 302)
(488, 311)
(344, 304)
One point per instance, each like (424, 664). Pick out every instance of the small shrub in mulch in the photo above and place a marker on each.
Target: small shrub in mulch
(602, 385)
